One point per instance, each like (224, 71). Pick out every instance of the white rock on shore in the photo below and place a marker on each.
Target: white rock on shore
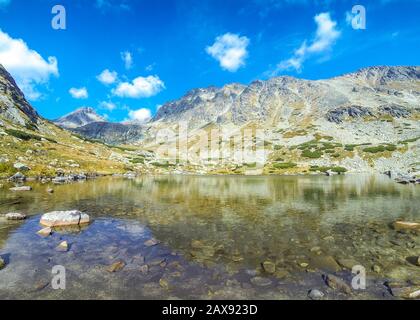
(64, 218)
(24, 188)
(15, 216)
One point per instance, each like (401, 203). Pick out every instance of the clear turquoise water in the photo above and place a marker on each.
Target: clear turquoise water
(214, 233)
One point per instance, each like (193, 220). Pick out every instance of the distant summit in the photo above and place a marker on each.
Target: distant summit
(79, 118)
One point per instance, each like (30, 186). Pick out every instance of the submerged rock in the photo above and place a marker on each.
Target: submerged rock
(24, 188)
(405, 225)
(164, 284)
(269, 267)
(315, 294)
(151, 242)
(261, 282)
(63, 247)
(15, 216)
(49, 190)
(144, 269)
(348, 263)
(406, 292)
(2, 263)
(376, 268)
(116, 266)
(46, 232)
(327, 263)
(337, 283)
(64, 218)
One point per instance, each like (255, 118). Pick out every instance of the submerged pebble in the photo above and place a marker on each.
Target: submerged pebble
(315, 294)
(116, 266)
(261, 282)
(337, 283)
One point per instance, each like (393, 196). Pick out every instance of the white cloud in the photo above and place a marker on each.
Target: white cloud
(230, 50)
(27, 66)
(79, 93)
(107, 77)
(108, 105)
(140, 116)
(140, 87)
(325, 37)
(127, 57)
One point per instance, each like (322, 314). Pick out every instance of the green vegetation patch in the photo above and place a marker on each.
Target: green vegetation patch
(7, 169)
(284, 165)
(312, 154)
(380, 148)
(22, 135)
(338, 170)
(137, 161)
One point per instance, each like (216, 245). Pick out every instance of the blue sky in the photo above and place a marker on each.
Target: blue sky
(126, 57)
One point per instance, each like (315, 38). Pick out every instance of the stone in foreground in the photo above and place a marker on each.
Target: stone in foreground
(398, 225)
(46, 232)
(63, 246)
(64, 218)
(15, 216)
(315, 294)
(151, 243)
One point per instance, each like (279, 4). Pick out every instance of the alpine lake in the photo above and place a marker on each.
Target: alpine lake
(214, 237)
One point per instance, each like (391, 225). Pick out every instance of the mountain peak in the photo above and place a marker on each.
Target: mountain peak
(79, 118)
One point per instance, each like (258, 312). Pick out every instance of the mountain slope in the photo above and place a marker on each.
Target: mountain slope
(281, 99)
(30, 143)
(331, 122)
(13, 105)
(79, 118)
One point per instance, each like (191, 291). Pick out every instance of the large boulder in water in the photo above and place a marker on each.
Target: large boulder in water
(64, 218)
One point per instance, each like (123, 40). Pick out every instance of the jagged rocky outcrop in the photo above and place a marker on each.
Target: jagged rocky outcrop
(394, 110)
(111, 133)
(338, 115)
(13, 105)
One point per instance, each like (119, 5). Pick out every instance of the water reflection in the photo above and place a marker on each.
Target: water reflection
(218, 228)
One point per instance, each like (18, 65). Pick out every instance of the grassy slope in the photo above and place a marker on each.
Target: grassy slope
(62, 150)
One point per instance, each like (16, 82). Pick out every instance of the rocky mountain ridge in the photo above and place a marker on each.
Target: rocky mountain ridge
(79, 118)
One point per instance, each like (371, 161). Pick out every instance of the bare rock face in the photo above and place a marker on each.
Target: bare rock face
(338, 115)
(13, 105)
(394, 110)
(64, 218)
(112, 133)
